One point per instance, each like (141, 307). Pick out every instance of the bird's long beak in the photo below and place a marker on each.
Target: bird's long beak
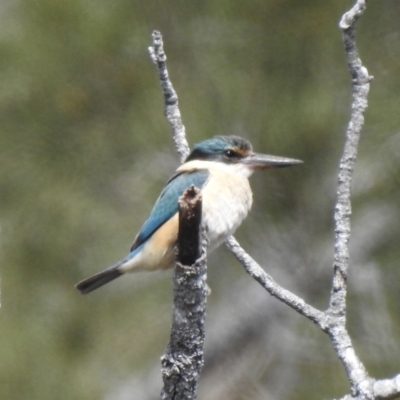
(258, 160)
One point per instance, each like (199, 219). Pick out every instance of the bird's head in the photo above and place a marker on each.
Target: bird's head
(238, 153)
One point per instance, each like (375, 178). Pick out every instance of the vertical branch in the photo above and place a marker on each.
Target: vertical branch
(170, 97)
(183, 359)
(361, 384)
(360, 89)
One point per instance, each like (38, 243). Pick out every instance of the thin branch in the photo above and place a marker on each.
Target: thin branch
(170, 97)
(360, 89)
(267, 282)
(360, 382)
(387, 388)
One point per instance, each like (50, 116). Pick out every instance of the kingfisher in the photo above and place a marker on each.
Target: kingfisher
(220, 168)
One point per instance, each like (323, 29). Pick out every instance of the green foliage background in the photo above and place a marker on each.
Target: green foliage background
(85, 150)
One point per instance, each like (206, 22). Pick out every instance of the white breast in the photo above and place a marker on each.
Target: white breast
(227, 199)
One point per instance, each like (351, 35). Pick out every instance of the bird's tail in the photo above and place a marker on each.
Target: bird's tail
(100, 279)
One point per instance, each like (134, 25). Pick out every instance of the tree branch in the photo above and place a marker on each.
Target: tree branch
(183, 359)
(268, 283)
(387, 388)
(360, 382)
(170, 97)
(382, 389)
(360, 89)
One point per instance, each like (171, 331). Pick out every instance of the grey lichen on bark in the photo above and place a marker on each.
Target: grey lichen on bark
(183, 359)
(360, 90)
(360, 382)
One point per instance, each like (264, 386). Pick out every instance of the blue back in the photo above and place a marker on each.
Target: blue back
(167, 204)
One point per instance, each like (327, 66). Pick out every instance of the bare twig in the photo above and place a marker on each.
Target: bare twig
(360, 382)
(360, 81)
(170, 97)
(266, 281)
(183, 359)
(383, 389)
(387, 388)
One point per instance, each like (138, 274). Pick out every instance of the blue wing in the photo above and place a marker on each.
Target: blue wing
(167, 204)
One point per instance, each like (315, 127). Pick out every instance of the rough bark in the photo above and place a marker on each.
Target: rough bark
(183, 359)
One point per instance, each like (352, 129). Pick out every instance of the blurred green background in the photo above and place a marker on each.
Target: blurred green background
(85, 150)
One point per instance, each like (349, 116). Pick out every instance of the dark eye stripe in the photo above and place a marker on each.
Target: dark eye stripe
(230, 153)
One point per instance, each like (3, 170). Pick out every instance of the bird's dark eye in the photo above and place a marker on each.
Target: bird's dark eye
(230, 153)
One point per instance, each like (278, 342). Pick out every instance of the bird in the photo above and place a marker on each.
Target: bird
(220, 168)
